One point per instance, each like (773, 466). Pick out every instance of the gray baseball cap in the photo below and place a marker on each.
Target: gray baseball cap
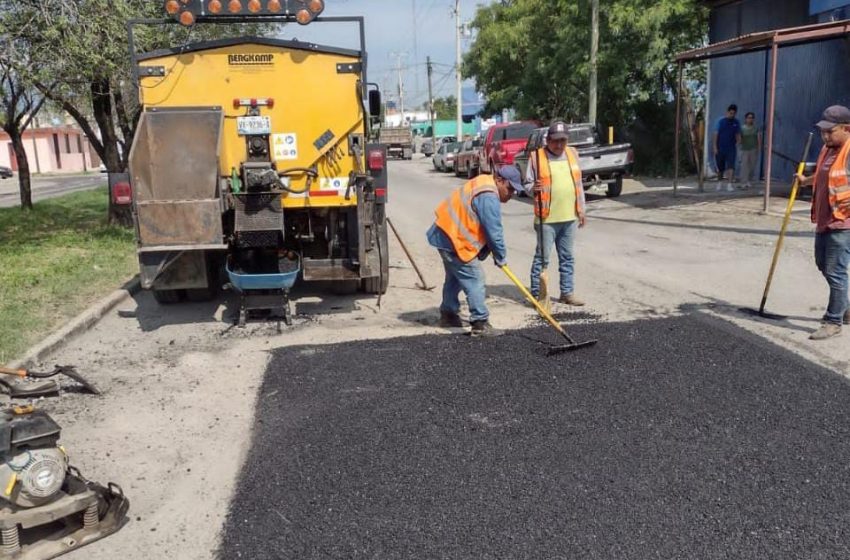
(511, 175)
(558, 131)
(834, 116)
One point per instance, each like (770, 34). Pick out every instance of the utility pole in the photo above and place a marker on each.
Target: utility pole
(457, 72)
(415, 53)
(431, 103)
(398, 56)
(594, 52)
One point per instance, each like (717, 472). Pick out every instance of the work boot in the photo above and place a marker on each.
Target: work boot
(846, 318)
(826, 330)
(484, 328)
(450, 320)
(570, 299)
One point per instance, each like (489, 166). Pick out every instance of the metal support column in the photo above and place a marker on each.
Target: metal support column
(771, 125)
(678, 126)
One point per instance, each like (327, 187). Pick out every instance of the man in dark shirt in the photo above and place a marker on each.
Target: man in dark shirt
(831, 214)
(727, 136)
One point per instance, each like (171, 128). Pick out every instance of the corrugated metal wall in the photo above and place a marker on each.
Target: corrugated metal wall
(809, 77)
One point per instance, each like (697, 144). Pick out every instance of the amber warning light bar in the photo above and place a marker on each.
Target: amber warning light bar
(187, 12)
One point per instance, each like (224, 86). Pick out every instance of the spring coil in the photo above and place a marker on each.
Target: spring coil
(9, 537)
(91, 517)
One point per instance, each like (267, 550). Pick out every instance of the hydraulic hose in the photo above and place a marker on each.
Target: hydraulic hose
(310, 172)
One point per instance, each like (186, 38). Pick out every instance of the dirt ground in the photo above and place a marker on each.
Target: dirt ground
(181, 383)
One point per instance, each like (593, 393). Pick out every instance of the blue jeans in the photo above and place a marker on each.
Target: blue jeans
(467, 277)
(832, 255)
(562, 235)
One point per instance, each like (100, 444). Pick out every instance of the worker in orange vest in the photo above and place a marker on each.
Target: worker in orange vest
(555, 179)
(831, 214)
(467, 229)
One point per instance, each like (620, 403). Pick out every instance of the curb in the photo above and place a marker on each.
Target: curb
(79, 324)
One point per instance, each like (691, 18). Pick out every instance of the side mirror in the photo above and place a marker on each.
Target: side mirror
(375, 102)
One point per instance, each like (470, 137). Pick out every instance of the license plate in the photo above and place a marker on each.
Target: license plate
(249, 126)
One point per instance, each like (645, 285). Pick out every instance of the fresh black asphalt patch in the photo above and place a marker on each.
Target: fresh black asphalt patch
(672, 438)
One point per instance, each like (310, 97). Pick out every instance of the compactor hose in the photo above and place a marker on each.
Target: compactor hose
(310, 172)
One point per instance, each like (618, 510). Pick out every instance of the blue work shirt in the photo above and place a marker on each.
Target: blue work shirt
(488, 207)
(727, 134)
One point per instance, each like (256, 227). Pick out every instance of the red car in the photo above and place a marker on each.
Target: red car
(503, 142)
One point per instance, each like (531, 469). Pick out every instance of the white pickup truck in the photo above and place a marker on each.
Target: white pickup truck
(600, 164)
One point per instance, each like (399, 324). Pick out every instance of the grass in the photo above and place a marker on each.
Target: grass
(54, 262)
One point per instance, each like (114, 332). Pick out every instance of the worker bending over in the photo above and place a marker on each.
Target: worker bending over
(467, 229)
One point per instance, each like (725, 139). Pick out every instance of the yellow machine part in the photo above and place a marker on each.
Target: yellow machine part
(310, 98)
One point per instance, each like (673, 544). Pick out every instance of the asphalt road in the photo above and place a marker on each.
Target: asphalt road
(673, 438)
(668, 437)
(47, 186)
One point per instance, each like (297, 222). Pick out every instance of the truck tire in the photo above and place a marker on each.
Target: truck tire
(379, 284)
(615, 188)
(166, 297)
(471, 172)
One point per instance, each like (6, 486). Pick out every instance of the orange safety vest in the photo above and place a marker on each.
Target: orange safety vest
(839, 185)
(458, 220)
(544, 174)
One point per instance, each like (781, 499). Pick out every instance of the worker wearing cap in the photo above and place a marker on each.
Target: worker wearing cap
(831, 214)
(467, 229)
(554, 175)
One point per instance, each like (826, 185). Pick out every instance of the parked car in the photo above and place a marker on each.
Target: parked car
(428, 144)
(5, 172)
(502, 143)
(600, 165)
(444, 158)
(467, 160)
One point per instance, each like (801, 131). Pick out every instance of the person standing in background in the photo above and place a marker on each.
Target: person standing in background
(727, 136)
(751, 140)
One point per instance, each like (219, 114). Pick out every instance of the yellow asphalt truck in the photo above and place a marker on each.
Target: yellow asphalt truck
(252, 158)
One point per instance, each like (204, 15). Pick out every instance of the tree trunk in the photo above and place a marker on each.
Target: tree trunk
(23, 167)
(102, 111)
(102, 108)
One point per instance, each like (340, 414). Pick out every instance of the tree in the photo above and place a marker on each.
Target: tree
(533, 55)
(445, 108)
(92, 78)
(20, 104)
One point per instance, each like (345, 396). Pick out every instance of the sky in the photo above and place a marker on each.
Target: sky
(391, 36)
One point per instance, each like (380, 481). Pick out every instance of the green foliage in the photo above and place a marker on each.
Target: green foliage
(54, 261)
(445, 107)
(533, 55)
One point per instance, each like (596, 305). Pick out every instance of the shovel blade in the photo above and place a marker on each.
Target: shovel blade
(762, 314)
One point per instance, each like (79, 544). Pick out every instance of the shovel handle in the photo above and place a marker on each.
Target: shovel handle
(534, 302)
(10, 371)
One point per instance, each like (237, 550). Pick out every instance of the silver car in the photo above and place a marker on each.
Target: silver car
(5, 172)
(444, 158)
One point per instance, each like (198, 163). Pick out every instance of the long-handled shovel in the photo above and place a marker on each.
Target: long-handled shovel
(424, 285)
(543, 294)
(571, 344)
(794, 188)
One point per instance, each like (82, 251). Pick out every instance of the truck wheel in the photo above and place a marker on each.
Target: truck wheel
(166, 297)
(615, 188)
(471, 172)
(379, 284)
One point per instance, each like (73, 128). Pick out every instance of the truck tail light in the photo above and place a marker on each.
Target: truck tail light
(122, 194)
(630, 156)
(376, 160)
(253, 102)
